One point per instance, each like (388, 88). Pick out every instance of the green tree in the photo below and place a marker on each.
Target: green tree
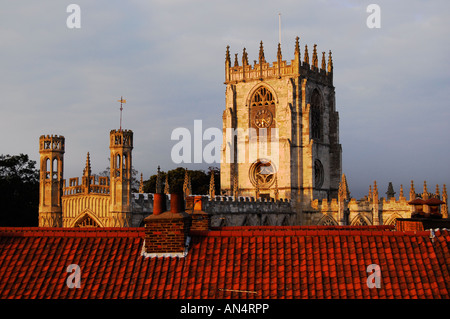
(199, 181)
(19, 191)
(134, 180)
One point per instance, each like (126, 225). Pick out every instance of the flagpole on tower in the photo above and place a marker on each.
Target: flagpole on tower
(121, 108)
(279, 28)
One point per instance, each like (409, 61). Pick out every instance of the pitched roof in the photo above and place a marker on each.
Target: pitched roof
(227, 263)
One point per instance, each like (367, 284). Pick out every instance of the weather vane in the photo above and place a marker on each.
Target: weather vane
(122, 100)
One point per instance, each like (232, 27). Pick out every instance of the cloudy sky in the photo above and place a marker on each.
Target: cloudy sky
(167, 59)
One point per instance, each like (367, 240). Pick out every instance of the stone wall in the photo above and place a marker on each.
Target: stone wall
(246, 211)
(356, 212)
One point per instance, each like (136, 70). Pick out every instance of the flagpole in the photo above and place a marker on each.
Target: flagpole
(121, 108)
(279, 28)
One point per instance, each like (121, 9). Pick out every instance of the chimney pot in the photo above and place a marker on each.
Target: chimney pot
(159, 201)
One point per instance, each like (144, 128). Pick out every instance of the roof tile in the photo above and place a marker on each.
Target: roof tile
(287, 262)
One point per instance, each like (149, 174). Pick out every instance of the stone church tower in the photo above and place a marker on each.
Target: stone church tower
(281, 128)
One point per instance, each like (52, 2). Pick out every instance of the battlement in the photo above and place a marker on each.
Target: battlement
(227, 204)
(121, 138)
(261, 69)
(120, 131)
(51, 143)
(247, 199)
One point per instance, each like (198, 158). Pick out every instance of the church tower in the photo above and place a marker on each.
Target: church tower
(121, 145)
(281, 128)
(51, 152)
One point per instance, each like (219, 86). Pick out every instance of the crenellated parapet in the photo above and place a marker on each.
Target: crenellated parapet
(121, 138)
(250, 213)
(227, 204)
(51, 143)
(261, 69)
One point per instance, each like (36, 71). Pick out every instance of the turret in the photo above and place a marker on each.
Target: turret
(51, 151)
(227, 64)
(86, 179)
(315, 61)
(121, 145)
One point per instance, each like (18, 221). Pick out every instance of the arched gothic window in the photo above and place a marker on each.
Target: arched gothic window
(262, 97)
(47, 168)
(327, 221)
(55, 168)
(86, 221)
(316, 115)
(117, 166)
(359, 221)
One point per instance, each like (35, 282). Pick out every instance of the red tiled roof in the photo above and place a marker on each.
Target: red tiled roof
(245, 263)
(313, 227)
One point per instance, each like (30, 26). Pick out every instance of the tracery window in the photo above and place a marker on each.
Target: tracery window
(328, 221)
(86, 221)
(262, 97)
(360, 222)
(316, 121)
(262, 173)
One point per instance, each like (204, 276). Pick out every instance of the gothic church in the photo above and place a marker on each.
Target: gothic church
(281, 160)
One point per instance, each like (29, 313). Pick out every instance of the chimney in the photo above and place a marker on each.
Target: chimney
(425, 215)
(166, 233)
(201, 220)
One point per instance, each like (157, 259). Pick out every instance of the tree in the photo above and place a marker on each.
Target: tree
(199, 181)
(134, 181)
(19, 191)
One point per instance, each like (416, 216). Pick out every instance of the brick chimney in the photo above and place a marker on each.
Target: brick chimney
(425, 215)
(201, 220)
(166, 233)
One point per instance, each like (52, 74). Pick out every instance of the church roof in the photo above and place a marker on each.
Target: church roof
(272, 262)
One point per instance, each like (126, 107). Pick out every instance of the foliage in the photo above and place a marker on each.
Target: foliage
(19, 191)
(199, 181)
(134, 180)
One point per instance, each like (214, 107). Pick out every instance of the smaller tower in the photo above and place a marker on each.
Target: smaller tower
(121, 145)
(86, 179)
(412, 191)
(375, 207)
(212, 191)
(51, 152)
